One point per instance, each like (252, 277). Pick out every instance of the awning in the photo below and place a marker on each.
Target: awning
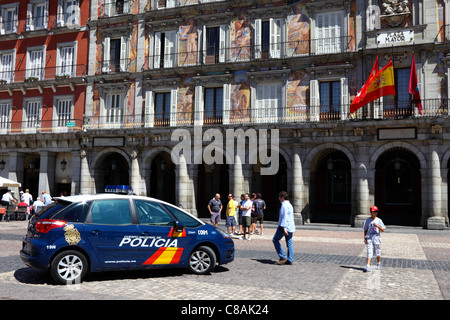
(8, 183)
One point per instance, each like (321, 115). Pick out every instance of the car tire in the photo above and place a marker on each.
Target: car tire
(202, 260)
(69, 267)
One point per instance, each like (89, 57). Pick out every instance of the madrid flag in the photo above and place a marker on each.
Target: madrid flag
(381, 84)
(413, 87)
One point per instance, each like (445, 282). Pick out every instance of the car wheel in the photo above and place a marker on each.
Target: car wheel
(202, 260)
(69, 267)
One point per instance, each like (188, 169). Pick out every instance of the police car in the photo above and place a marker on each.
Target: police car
(80, 234)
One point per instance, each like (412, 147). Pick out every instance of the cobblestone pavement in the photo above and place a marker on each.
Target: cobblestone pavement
(328, 266)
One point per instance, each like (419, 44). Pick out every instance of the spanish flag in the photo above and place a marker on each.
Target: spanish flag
(381, 84)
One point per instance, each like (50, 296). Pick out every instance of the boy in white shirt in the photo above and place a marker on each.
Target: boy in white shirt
(372, 228)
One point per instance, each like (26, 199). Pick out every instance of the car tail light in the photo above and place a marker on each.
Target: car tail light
(44, 226)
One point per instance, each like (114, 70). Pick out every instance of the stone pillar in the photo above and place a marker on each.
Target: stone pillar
(47, 172)
(181, 182)
(85, 175)
(16, 170)
(435, 219)
(297, 186)
(361, 173)
(76, 170)
(238, 178)
(136, 180)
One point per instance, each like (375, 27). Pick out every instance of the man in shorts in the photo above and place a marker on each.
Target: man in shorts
(246, 208)
(231, 211)
(259, 205)
(215, 208)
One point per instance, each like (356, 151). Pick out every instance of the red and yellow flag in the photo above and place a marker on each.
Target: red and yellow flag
(381, 84)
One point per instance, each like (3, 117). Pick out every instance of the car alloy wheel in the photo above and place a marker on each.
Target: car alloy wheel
(202, 260)
(69, 267)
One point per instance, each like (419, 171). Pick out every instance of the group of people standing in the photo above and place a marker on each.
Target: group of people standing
(26, 200)
(248, 212)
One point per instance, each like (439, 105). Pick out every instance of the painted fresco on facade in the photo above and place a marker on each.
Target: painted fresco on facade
(185, 102)
(240, 98)
(240, 39)
(298, 33)
(187, 46)
(297, 101)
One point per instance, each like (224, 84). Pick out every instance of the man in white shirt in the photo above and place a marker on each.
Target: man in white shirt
(27, 197)
(7, 198)
(246, 208)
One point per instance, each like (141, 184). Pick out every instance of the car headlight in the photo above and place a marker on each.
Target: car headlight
(223, 233)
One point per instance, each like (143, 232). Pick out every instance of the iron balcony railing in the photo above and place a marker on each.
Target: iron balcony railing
(37, 125)
(264, 51)
(43, 73)
(300, 114)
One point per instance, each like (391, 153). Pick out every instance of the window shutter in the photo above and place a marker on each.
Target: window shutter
(258, 38)
(199, 106)
(275, 38)
(204, 45)
(149, 108)
(226, 103)
(106, 54)
(157, 54)
(169, 43)
(222, 42)
(314, 100)
(30, 24)
(124, 59)
(173, 107)
(344, 98)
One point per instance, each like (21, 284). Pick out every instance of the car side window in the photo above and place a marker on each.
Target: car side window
(187, 220)
(151, 213)
(111, 212)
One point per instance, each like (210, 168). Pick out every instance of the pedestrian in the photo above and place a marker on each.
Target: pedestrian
(27, 197)
(259, 206)
(37, 205)
(372, 237)
(215, 208)
(240, 213)
(230, 213)
(286, 228)
(7, 198)
(246, 207)
(46, 199)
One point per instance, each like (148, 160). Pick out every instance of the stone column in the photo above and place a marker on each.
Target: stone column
(76, 170)
(47, 172)
(181, 181)
(85, 175)
(136, 180)
(16, 170)
(361, 173)
(435, 220)
(297, 185)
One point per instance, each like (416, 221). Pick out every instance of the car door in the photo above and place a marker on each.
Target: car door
(111, 233)
(162, 244)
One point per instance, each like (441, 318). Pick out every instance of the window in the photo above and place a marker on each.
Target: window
(399, 105)
(7, 66)
(68, 13)
(9, 15)
(66, 62)
(115, 55)
(5, 112)
(73, 213)
(111, 212)
(116, 7)
(151, 213)
(114, 108)
(164, 49)
(188, 221)
(213, 105)
(268, 102)
(330, 100)
(214, 44)
(268, 38)
(35, 64)
(33, 114)
(37, 15)
(329, 30)
(162, 109)
(162, 4)
(63, 111)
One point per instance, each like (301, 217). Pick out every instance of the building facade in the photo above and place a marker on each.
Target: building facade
(222, 79)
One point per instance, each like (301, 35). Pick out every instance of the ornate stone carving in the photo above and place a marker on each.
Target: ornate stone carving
(394, 11)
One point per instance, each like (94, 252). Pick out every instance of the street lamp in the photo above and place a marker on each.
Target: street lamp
(63, 164)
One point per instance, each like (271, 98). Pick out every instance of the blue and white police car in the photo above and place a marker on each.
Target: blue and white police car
(92, 233)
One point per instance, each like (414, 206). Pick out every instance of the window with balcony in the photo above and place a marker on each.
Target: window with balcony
(32, 114)
(214, 44)
(330, 32)
(213, 105)
(68, 13)
(163, 4)
(165, 49)
(115, 55)
(35, 64)
(116, 7)
(5, 115)
(400, 104)
(330, 100)
(6, 66)
(162, 109)
(66, 61)
(37, 15)
(268, 38)
(9, 18)
(114, 107)
(268, 102)
(64, 107)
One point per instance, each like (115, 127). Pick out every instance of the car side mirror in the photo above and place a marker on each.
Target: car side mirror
(179, 226)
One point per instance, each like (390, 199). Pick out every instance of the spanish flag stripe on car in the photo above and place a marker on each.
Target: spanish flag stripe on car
(165, 256)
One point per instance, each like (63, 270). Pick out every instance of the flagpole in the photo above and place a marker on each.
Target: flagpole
(393, 69)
